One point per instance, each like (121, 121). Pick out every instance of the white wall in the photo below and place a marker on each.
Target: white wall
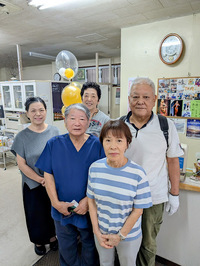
(4, 74)
(102, 61)
(178, 240)
(43, 72)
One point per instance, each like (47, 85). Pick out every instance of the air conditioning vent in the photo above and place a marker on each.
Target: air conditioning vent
(93, 37)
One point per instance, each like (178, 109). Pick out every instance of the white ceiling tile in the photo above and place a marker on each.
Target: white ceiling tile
(52, 30)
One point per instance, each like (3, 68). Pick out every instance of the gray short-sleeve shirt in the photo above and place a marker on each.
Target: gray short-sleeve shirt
(29, 145)
(96, 123)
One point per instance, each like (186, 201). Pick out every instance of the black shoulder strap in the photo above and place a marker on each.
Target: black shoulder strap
(123, 118)
(164, 127)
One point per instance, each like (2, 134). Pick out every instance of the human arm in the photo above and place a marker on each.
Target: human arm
(174, 174)
(114, 239)
(174, 177)
(94, 220)
(28, 171)
(61, 206)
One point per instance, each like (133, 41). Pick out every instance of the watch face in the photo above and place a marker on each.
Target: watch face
(171, 48)
(57, 77)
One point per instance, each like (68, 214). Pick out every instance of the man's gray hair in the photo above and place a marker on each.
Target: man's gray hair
(78, 106)
(143, 80)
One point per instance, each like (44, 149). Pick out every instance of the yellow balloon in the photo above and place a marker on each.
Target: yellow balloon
(63, 110)
(69, 73)
(77, 84)
(70, 95)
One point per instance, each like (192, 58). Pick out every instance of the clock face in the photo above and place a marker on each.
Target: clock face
(57, 77)
(171, 48)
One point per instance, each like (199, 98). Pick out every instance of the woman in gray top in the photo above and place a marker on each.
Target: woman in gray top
(28, 145)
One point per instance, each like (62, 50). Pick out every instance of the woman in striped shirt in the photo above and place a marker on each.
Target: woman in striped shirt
(117, 191)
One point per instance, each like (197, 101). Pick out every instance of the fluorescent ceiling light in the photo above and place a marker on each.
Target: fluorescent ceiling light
(45, 56)
(43, 4)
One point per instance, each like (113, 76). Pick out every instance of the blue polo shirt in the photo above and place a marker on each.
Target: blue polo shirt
(70, 170)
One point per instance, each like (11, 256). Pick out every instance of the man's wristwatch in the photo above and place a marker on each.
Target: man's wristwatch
(121, 236)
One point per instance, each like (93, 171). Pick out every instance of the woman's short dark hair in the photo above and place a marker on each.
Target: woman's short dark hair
(118, 128)
(31, 100)
(92, 85)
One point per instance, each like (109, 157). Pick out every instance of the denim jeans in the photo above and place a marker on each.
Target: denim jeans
(68, 238)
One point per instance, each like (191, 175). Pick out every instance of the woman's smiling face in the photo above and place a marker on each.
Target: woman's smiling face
(37, 113)
(90, 99)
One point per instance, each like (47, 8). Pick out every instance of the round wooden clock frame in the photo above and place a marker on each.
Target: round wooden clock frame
(171, 53)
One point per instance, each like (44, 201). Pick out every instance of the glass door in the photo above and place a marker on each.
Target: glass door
(7, 96)
(29, 90)
(17, 90)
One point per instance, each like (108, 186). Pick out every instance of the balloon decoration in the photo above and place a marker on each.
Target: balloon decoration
(67, 67)
(76, 84)
(62, 71)
(69, 73)
(63, 110)
(66, 64)
(71, 95)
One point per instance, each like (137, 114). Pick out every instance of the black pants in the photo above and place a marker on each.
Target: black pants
(37, 208)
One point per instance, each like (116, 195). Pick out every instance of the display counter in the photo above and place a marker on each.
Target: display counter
(190, 184)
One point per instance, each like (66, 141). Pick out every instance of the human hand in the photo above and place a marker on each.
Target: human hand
(172, 204)
(82, 207)
(102, 239)
(112, 239)
(42, 182)
(63, 207)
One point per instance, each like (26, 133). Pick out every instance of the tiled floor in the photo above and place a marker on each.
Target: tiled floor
(15, 247)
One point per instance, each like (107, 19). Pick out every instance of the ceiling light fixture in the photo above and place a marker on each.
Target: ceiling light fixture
(43, 4)
(44, 56)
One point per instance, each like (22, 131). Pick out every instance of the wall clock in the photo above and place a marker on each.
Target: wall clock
(57, 77)
(171, 48)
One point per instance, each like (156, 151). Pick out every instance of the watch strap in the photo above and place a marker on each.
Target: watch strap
(121, 236)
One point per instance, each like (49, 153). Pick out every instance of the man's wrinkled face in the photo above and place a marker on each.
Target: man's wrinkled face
(141, 100)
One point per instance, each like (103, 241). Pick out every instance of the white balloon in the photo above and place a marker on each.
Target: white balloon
(66, 59)
(62, 71)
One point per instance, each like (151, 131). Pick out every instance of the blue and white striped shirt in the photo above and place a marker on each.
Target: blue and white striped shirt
(116, 192)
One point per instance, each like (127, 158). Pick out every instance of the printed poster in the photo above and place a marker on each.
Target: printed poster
(179, 97)
(193, 128)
